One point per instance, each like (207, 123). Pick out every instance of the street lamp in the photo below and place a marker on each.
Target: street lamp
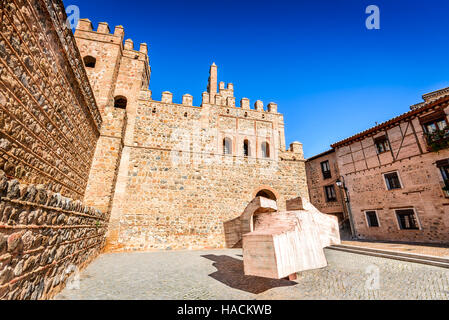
(342, 185)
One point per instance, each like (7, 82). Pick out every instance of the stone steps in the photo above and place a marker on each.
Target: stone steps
(395, 255)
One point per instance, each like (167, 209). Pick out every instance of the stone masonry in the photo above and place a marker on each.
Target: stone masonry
(44, 238)
(49, 127)
(160, 167)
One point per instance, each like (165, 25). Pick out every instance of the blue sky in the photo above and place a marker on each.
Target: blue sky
(331, 77)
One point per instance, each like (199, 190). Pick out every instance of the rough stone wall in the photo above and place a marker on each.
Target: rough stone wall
(49, 122)
(316, 184)
(44, 239)
(420, 178)
(176, 188)
(49, 127)
(170, 185)
(120, 71)
(103, 174)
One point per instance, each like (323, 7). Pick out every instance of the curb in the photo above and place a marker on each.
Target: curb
(395, 255)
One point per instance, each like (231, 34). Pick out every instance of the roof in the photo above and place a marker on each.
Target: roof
(426, 106)
(325, 153)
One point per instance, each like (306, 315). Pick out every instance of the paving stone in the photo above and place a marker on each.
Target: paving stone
(218, 274)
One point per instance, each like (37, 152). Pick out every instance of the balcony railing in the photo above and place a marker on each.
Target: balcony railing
(437, 140)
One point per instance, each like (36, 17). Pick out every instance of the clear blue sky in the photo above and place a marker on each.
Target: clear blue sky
(331, 77)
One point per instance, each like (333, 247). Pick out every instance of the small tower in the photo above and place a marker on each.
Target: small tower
(212, 87)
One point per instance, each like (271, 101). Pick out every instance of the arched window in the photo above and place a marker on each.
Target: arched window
(265, 150)
(89, 61)
(120, 102)
(227, 146)
(246, 149)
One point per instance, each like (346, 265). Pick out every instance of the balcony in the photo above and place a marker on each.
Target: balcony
(437, 140)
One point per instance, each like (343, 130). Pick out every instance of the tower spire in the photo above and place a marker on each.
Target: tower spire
(212, 87)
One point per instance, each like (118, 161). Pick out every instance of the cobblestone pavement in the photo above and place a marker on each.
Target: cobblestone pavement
(218, 274)
(430, 250)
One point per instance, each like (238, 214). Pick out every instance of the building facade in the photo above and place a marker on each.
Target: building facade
(396, 174)
(170, 174)
(322, 175)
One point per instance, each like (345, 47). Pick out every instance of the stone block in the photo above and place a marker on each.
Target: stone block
(284, 243)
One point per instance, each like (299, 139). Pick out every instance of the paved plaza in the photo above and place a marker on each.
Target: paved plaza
(218, 274)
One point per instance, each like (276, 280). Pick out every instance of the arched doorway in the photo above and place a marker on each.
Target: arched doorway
(266, 194)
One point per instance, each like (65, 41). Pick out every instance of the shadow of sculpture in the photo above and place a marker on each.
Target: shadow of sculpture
(230, 272)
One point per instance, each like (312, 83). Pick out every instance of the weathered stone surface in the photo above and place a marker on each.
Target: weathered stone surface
(57, 244)
(50, 118)
(15, 243)
(13, 189)
(3, 183)
(3, 244)
(6, 275)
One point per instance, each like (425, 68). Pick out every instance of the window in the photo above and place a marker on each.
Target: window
(434, 125)
(246, 151)
(227, 146)
(265, 150)
(120, 102)
(89, 62)
(371, 218)
(407, 219)
(382, 144)
(443, 165)
(392, 181)
(326, 170)
(330, 193)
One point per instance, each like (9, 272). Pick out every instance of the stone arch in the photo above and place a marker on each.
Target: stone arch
(120, 102)
(266, 192)
(89, 61)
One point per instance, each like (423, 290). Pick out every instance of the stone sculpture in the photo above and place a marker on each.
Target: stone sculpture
(280, 244)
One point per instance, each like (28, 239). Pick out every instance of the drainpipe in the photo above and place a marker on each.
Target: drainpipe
(341, 184)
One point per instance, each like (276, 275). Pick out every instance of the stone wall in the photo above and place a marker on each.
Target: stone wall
(103, 175)
(49, 121)
(49, 127)
(316, 184)
(176, 188)
(166, 183)
(44, 239)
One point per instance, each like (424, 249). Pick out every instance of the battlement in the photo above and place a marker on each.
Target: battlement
(104, 31)
(225, 95)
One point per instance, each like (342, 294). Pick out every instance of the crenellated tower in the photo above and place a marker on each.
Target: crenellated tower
(166, 172)
(117, 73)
